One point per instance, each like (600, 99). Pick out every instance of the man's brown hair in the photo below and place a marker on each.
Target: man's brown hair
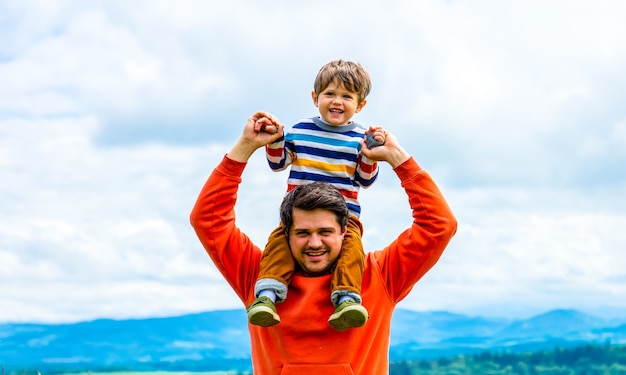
(310, 197)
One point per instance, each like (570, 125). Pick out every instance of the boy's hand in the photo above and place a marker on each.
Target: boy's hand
(375, 136)
(266, 125)
(253, 138)
(390, 151)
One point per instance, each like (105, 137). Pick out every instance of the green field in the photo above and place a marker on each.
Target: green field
(155, 373)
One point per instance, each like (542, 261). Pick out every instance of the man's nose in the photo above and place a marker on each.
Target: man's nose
(315, 241)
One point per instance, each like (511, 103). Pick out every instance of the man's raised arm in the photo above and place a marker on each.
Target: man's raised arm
(213, 215)
(418, 248)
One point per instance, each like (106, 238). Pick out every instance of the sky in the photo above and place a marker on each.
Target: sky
(113, 114)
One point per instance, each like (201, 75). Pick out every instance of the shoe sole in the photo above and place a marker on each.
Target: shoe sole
(351, 317)
(263, 316)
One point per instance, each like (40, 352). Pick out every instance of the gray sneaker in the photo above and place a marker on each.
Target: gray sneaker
(262, 312)
(349, 314)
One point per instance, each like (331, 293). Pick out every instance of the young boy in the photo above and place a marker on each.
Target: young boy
(325, 148)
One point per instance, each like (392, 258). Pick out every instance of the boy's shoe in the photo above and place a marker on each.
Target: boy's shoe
(349, 314)
(262, 312)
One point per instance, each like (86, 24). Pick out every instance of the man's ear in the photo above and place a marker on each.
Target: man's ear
(361, 105)
(314, 97)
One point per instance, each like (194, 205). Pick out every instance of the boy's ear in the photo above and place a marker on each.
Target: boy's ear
(361, 105)
(314, 97)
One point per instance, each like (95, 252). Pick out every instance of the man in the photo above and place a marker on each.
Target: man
(303, 342)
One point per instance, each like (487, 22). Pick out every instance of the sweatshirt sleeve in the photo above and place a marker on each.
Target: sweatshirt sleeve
(418, 248)
(280, 154)
(366, 171)
(213, 219)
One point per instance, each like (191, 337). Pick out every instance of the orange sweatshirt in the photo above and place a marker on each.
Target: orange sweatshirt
(303, 342)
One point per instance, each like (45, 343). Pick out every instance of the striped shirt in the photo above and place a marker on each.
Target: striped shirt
(317, 151)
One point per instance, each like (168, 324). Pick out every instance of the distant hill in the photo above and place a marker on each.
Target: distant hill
(218, 340)
(450, 334)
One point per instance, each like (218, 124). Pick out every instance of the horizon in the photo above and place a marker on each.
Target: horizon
(617, 316)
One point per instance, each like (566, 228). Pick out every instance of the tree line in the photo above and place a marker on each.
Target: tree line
(590, 359)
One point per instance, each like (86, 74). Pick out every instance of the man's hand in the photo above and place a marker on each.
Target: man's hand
(255, 135)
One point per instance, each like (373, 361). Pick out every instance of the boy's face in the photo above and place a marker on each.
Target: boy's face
(336, 104)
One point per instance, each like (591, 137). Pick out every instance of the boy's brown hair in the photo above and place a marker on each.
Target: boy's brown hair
(351, 74)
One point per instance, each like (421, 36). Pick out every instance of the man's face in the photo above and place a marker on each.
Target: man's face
(315, 239)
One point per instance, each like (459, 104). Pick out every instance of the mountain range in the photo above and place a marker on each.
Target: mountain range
(218, 340)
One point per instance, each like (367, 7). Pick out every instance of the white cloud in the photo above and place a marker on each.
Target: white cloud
(81, 215)
(112, 115)
(529, 263)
